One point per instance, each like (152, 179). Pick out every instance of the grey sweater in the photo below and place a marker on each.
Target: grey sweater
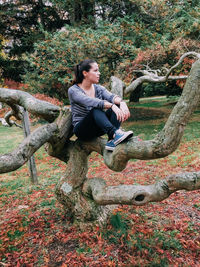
(81, 104)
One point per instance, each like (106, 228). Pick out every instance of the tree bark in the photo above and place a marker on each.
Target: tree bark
(117, 86)
(14, 160)
(137, 194)
(153, 77)
(85, 199)
(37, 107)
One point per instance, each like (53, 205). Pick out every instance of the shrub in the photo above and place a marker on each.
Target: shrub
(54, 58)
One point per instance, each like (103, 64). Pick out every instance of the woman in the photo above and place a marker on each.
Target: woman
(95, 111)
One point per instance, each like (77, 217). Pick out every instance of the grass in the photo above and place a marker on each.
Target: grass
(10, 137)
(34, 230)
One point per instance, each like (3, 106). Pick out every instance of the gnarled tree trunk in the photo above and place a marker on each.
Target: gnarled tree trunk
(91, 200)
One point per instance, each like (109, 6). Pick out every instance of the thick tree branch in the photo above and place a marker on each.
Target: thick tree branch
(58, 144)
(137, 194)
(152, 76)
(194, 54)
(15, 112)
(12, 161)
(117, 86)
(35, 106)
(167, 140)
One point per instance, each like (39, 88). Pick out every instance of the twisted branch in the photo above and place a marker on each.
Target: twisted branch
(152, 76)
(14, 160)
(138, 195)
(14, 112)
(35, 106)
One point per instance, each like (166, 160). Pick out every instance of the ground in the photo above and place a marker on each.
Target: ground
(35, 231)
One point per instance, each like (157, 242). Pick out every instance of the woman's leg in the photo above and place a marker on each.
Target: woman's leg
(95, 124)
(113, 118)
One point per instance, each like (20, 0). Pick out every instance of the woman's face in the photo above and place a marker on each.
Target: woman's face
(93, 74)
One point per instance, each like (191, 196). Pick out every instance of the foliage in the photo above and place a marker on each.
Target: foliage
(34, 230)
(118, 26)
(54, 58)
(21, 25)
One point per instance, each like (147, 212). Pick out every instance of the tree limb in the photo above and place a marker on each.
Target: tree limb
(35, 106)
(16, 112)
(152, 76)
(166, 141)
(137, 194)
(14, 160)
(197, 55)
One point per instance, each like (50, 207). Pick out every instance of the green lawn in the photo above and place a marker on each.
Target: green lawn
(10, 137)
(35, 231)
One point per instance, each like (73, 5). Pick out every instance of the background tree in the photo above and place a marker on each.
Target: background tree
(130, 24)
(87, 200)
(54, 58)
(145, 30)
(21, 25)
(157, 63)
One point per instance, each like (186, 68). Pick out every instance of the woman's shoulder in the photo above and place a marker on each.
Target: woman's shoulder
(73, 88)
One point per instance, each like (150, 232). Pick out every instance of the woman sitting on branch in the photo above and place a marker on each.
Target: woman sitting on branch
(96, 111)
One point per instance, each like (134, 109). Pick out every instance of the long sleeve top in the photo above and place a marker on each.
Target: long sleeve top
(81, 104)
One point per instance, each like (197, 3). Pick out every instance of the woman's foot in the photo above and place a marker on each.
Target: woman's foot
(119, 137)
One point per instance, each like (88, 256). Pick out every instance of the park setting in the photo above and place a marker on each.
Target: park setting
(72, 202)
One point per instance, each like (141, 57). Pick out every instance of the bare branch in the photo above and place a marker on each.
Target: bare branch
(152, 75)
(12, 161)
(197, 55)
(40, 108)
(15, 112)
(137, 194)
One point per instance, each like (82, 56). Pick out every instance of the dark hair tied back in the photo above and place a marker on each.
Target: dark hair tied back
(84, 65)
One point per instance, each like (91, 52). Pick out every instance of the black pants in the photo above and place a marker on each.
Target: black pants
(96, 123)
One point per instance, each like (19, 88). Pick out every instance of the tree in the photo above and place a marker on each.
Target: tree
(151, 73)
(52, 64)
(22, 24)
(137, 24)
(153, 76)
(87, 200)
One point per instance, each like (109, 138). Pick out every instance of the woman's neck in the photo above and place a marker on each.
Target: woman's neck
(86, 85)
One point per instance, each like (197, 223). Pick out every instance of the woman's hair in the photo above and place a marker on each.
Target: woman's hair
(84, 65)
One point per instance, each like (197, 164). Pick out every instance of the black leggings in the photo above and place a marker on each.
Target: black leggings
(96, 123)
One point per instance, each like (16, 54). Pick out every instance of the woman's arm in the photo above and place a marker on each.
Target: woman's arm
(121, 110)
(77, 96)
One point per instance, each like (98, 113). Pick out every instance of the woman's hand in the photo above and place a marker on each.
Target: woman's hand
(119, 113)
(125, 110)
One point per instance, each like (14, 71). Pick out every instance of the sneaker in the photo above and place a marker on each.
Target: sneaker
(121, 136)
(110, 145)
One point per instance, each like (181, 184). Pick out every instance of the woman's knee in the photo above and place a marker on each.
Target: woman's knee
(98, 113)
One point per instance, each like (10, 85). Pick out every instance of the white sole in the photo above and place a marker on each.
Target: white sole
(109, 148)
(128, 134)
